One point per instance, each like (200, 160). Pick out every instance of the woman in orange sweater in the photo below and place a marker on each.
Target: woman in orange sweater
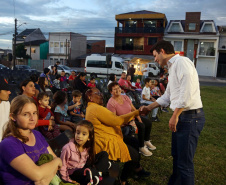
(108, 135)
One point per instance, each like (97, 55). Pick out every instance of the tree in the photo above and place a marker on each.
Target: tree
(21, 51)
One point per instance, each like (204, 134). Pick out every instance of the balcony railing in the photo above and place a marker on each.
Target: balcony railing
(139, 30)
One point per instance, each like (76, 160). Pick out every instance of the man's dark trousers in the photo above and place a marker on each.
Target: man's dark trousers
(184, 143)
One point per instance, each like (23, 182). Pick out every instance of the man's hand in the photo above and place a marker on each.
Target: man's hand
(173, 123)
(143, 110)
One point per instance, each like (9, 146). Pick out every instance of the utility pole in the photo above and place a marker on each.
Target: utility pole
(14, 44)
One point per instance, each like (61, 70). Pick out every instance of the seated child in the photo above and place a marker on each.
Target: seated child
(56, 82)
(155, 91)
(60, 108)
(76, 114)
(92, 83)
(45, 113)
(63, 78)
(148, 99)
(79, 154)
(138, 85)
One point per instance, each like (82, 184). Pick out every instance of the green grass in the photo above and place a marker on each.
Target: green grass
(210, 156)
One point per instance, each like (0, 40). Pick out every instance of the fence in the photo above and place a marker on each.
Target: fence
(39, 65)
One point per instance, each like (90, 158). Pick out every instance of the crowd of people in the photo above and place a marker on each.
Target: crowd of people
(102, 135)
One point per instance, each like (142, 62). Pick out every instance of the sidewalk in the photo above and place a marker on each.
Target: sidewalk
(211, 79)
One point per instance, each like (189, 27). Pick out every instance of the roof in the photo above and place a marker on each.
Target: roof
(93, 41)
(141, 12)
(183, 25)
(27, 32)
(35, 42)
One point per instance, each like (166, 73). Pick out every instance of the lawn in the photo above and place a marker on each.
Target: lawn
(210, 157)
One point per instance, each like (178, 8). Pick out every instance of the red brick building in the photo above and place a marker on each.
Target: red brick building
(95, 46)
(137, 32)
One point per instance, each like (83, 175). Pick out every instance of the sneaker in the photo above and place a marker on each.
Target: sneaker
(155, 119)
(165, 110)
(145, 151)
(149, 145)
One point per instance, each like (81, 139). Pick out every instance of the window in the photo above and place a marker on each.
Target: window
(152, 66)
(51, 44)
(192, 27)
(208, 28)
(61, 44)
(152, 40)
(32, 50)
(97, 63)
(150, 24)
(118, 65)
(56, 44)
(130, 24)
(175, 27)
(207, 49)
(178, 46)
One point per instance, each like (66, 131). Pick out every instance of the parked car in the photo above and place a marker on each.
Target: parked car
(96, 64)
(64, 68)
(24, 68)
(3, 67)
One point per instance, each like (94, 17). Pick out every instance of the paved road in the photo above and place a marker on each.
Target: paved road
(218, 84)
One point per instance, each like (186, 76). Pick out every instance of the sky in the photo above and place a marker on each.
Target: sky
(93, 18)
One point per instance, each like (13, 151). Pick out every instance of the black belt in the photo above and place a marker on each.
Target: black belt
(194, 111)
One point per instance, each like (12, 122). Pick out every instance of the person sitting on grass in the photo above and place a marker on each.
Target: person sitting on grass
(91, 83)
(22, 146)
(148, 99)
(79, 154)
(45, 113)
(76, 113)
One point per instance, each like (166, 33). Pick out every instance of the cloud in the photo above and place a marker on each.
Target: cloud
(97, 17)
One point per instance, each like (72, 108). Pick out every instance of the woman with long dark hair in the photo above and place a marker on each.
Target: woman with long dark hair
(80, 82)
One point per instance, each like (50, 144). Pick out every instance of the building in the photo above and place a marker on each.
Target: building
(197, 39)
(95, 46)
(37, 49)
(66, 46)
(136, 32)
(32, 39)
(221, 69)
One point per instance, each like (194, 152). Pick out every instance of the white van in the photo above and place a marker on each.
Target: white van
(153, 69)
(97, 65)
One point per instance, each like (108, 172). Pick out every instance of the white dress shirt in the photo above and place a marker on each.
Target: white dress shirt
(183, 89)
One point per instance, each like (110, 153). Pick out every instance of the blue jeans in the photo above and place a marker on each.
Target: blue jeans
(184, 143)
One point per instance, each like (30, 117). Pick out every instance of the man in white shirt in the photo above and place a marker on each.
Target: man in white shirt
(4, 104)
(187, 121)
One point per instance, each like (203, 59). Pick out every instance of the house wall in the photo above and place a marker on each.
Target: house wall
(206, 66)
(222, 41)
(97, 47)
(78, 46)
(36, 55)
